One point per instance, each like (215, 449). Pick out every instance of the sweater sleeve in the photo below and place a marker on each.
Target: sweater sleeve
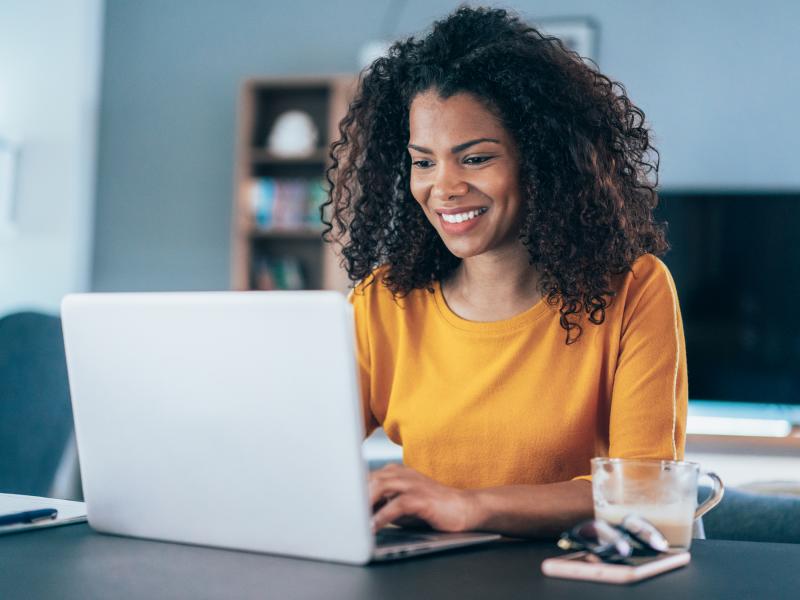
(358, 300)
(650, 392)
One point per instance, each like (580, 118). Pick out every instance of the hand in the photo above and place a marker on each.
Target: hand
(399, 493)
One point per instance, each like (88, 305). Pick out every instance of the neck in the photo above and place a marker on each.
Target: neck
(498, 283)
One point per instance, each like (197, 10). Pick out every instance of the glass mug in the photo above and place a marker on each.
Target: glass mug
(662, 491)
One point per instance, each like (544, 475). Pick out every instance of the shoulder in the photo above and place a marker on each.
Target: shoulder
(648, 284)
(646, 271)
(649, 265)
(652, 271)
(369, 286)
(374, 300)
(371, 295)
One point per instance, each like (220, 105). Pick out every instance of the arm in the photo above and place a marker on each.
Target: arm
(532, 510)
(650, 393)
(514, 510)
(361, 338)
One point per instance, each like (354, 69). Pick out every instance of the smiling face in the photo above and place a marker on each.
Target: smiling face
(464, 173)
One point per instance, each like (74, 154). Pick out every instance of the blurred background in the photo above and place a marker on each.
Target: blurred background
(149, 145)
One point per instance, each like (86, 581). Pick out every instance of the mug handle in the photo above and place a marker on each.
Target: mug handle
(717, 492)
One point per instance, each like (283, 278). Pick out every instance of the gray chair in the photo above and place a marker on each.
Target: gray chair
(754, 517)
(37, 450)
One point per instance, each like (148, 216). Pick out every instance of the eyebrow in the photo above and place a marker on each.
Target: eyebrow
(455, 149)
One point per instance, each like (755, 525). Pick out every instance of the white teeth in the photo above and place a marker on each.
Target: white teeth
(461, 217)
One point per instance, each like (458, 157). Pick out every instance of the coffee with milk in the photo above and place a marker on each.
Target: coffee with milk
(662, 491)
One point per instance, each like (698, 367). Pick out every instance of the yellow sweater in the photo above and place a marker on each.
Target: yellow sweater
(480, 404)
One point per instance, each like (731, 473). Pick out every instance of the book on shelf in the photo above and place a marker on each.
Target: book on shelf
(279, 273)
(286, 203)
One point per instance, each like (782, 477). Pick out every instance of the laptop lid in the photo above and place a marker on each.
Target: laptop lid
(201, 416)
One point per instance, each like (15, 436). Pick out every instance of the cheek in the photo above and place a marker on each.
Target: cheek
(510, 190)
(419, 192)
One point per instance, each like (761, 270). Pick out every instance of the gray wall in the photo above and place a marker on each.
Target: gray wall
(717, 80)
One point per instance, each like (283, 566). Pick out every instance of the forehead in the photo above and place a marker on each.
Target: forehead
(458, 118)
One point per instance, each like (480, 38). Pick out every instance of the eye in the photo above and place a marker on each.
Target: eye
(477, 159)
(419, 164)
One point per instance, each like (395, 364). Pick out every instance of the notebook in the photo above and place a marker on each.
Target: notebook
(68, 511)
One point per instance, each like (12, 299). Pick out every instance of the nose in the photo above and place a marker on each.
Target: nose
(449, 184)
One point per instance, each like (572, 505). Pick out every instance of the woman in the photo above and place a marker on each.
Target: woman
(492, 199)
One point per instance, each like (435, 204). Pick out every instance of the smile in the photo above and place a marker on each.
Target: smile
(461, 223)
(461, 217)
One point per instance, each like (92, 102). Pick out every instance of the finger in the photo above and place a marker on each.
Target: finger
(383, 488)
(403, 505)
(387, 476)
(392, 466)
(379, 486)
(390, 471)
(413, 523)
(387, 467)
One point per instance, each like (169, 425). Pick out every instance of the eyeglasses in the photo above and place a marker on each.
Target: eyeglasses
(615, 543)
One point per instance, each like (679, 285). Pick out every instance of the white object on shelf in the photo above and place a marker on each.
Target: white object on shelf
(293, 135)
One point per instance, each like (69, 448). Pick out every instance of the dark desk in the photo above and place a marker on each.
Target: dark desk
(74, 562)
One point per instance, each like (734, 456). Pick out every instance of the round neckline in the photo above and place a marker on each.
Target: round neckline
(503, 326)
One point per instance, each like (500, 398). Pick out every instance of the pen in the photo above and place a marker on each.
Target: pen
(29, 516)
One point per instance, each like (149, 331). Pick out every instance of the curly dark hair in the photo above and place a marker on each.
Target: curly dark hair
(588, 172)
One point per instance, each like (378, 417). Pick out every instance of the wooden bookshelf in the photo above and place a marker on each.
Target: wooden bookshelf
(258, 246)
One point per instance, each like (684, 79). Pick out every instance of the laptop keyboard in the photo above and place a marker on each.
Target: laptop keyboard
(391, 537)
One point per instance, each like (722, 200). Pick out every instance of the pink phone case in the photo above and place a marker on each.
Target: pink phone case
(579, 566)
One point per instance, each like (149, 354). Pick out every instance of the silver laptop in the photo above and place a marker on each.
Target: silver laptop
(227, 419)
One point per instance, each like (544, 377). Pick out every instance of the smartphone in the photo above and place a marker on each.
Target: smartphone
(583, 565)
